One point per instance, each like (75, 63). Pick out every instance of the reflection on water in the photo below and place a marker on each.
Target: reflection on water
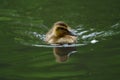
(62, 53)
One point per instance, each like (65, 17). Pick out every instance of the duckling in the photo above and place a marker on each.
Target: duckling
(60, 34)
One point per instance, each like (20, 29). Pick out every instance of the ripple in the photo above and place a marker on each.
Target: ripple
(56, 45)
(91, 35)
(36, 35)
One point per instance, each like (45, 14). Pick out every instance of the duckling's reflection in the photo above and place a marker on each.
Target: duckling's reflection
(62, 53)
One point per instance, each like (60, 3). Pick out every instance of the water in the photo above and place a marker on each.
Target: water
(25, 56)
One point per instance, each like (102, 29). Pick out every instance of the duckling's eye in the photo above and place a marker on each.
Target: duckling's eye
(62, 28)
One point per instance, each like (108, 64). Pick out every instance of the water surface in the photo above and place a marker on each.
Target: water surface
(25, 56)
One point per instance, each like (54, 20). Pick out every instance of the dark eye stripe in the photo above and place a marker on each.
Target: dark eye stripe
(62, 28)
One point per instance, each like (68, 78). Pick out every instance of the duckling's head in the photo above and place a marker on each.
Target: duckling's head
(60, 33)
(61, 23)
(61, 29)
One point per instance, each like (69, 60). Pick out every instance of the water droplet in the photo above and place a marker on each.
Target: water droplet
(94, 41)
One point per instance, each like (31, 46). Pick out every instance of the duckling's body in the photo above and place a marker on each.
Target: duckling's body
(60, 34)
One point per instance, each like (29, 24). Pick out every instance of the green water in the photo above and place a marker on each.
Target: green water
(25, 22)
